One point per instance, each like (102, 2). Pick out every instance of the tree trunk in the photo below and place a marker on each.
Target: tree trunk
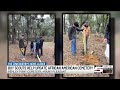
(13, 30)
(13, 36)
(107, 20)
(81, 20)
(64, 25)
(98, 26)
(87, 16)
(35, 33)
(90, 22)
(102, 21)
(71, 19)
(31, 31)
(27, 27)
(19, 29)
(103, 27)
(18, 34)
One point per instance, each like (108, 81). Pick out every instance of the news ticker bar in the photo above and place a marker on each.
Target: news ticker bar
(26, 63)
(39, 68)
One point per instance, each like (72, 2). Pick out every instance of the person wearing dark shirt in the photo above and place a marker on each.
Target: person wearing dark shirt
(31, 47)
(21, 46)
(25, 46)
(41, 45)
(72, 36)
(37, 47)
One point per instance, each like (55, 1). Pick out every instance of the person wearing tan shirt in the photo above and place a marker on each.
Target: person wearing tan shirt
(86, 34)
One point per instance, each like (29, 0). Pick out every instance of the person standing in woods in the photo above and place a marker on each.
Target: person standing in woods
(41, 45)
(21, 46)
(31, 47)
(25, 45)
(72, 36)
(107, 40)
(37, 49)
(86, 34)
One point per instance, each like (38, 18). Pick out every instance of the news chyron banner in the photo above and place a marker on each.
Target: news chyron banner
(42, 68)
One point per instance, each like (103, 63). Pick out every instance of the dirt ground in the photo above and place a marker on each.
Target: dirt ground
(48, 51)
(94, 44)
(66, 60)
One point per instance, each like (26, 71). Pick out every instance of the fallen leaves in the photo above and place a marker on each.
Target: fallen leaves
(48, 51)
(94, 44)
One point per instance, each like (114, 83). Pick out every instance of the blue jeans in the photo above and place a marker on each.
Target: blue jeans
(73, 46)
(37, 53)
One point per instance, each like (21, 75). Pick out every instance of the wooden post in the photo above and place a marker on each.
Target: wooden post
(38, 58)
(84, 43)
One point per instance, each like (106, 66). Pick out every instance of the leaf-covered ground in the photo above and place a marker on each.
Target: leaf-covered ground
(48, 51)
(94, 44)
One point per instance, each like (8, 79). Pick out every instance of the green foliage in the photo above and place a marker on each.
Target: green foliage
(97, 22)
(32, 24)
